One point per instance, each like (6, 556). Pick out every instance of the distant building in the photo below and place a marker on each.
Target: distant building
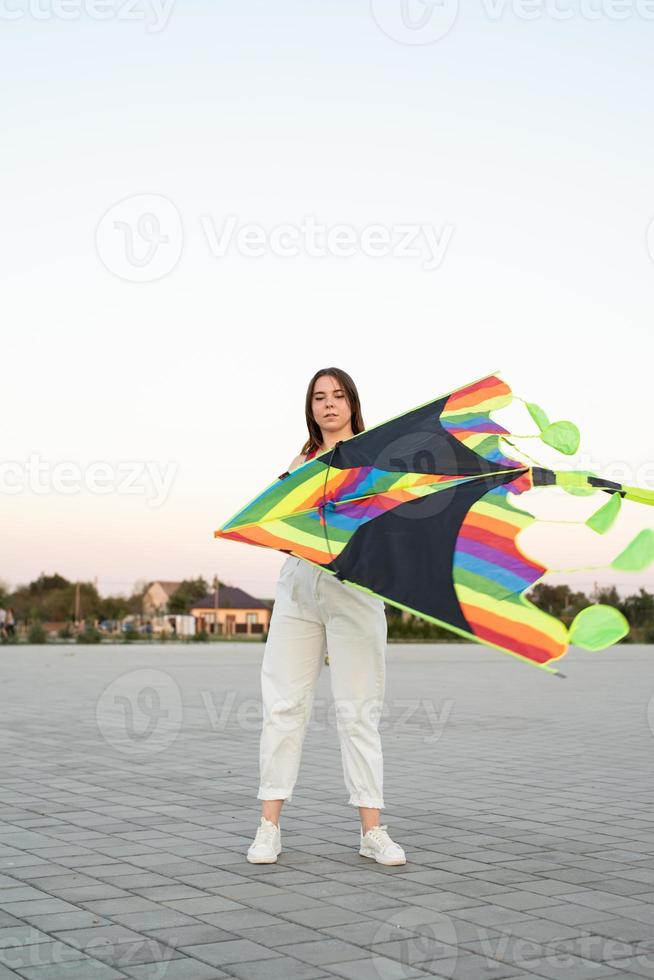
(238, 613)
(157, 596)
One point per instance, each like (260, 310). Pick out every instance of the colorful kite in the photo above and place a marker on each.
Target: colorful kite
(417, 511)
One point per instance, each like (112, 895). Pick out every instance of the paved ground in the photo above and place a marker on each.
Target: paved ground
(128, 799)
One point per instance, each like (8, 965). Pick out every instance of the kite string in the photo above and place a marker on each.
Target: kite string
(323, 506)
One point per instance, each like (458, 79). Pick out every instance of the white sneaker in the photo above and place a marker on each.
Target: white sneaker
(267, 844)
(378, 845)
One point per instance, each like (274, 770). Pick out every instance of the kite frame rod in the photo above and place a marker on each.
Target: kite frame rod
(457, 481)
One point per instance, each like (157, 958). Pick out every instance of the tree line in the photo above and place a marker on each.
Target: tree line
(53, 598)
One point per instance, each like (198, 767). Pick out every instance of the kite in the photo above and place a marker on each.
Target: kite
(418, 511)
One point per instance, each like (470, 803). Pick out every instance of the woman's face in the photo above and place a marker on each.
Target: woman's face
(329, 404)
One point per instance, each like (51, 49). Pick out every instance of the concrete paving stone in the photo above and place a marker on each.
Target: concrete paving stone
(166, 893)
(103, 935)
(320, 888)
(70, 886)
(122, 956)
(28, 871)
(200, 932)
(56, 884)
(548, 886)
(504, 876)
(19, 893)
(138, 879)
(408, 916)
(467, 966)
(214, 879)
(376, 968)
(474, 888)
(296, 879)
(278, 969)
(541, 930)
(397, 888)
(603, 901)
(575, 876)
(593, 947)
(7, 882)
(325, 916)
(283, 932)
(181, 870)
(505, 949)
(522, 901)
(567, 967)
(489, 915)
(284, 903)
(456, 931)
(364, 901)
(203, 906)
(20, 935)
(7, 974)
(178, 969)
(66, 920)
(233, 921)
(628, 930)
(129, 903)
(414, 949)
(635, 966)
(366, 933)
(83, 969)
(640, 912)
(229, 951)
(572, 914)
(323, 952)
(12, 860)
(50, 952)
(158, 919)
(38, 906)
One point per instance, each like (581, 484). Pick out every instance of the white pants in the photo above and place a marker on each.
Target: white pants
(315, 613)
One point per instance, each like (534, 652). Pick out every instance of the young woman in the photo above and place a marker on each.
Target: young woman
(315, 612)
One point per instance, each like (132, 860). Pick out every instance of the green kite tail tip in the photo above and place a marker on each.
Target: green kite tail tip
(638, 554)
(604, 518)
(598, 627)
(563, 436)
(538, 415)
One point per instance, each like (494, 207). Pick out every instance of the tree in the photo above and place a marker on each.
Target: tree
(639, 608)
(558, 600)
(189, 591)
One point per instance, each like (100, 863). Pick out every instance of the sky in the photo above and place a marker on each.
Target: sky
(208, 201)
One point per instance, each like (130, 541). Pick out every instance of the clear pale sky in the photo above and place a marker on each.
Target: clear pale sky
(523, 146)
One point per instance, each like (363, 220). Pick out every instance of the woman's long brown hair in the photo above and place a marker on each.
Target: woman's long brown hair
(347, 384)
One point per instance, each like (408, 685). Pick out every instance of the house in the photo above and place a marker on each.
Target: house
(238, 613)
(157, 596)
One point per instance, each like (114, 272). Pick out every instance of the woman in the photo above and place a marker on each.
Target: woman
(314, 612)
(10, 623)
